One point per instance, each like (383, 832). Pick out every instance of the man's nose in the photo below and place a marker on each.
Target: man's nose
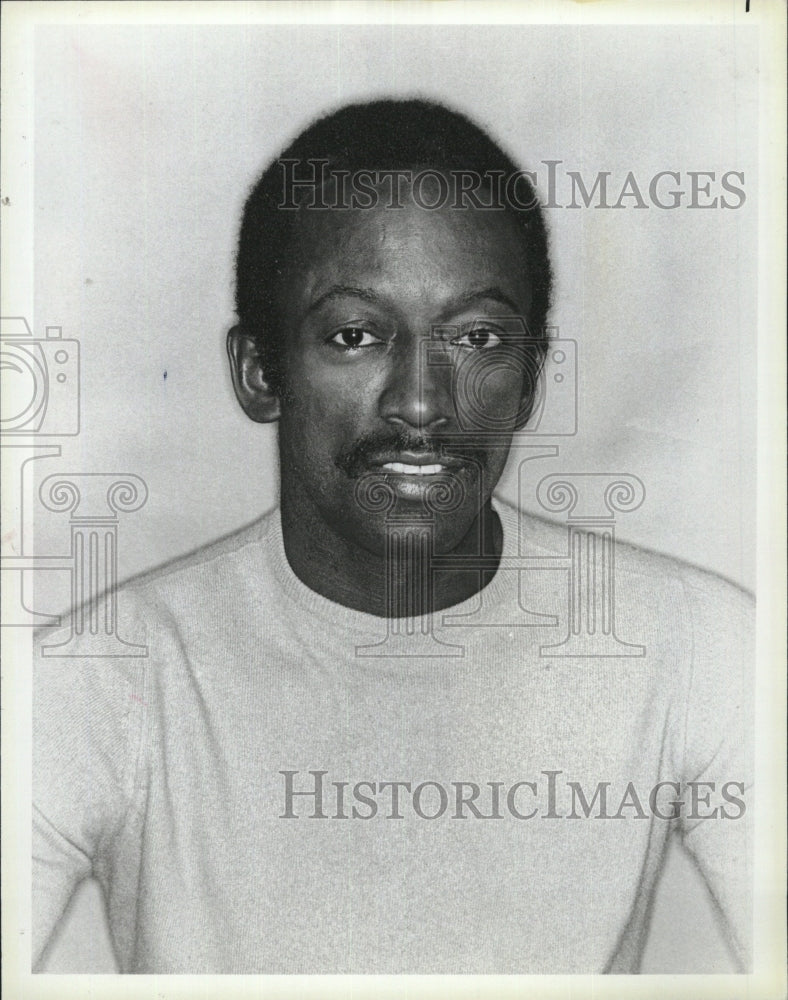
(418, 391)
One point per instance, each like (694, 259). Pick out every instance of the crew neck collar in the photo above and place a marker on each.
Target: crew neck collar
(338, 616)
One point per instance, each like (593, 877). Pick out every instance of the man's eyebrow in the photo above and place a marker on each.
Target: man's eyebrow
(343, 291)
(493, 293)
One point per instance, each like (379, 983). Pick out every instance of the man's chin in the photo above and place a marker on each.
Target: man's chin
(412, 530)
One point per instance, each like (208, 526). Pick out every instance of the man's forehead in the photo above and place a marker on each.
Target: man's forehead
(407, 245)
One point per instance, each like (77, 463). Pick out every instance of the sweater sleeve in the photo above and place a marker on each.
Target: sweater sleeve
(87, 728)
(717, 817)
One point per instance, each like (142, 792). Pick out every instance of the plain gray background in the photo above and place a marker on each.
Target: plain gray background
(147, 140)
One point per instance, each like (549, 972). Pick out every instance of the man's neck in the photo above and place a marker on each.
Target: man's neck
(397, 582)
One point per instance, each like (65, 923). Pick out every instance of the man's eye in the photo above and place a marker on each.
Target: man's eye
(478, 339)
(352, 337)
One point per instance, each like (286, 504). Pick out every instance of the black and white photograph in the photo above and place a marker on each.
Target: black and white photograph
(393, 506)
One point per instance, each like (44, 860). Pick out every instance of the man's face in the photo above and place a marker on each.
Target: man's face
(400, 329)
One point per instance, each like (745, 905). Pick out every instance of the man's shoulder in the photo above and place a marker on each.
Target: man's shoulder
(194, 586)
(641, 567)
(219, 557)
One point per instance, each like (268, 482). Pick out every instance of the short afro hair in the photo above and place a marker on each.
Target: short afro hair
(378, 135)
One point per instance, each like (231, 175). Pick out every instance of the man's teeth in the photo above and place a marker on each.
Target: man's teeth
(413, 470)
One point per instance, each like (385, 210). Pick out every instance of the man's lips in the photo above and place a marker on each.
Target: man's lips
(406, 459)
(408, 463)
(412, 470)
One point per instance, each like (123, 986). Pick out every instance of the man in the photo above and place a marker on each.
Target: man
(358, 743)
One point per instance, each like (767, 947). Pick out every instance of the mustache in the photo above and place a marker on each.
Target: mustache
(355, 459)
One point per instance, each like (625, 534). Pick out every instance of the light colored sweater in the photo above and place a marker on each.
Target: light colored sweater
(173, 778)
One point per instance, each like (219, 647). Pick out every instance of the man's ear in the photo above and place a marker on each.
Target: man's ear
(258, 400)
